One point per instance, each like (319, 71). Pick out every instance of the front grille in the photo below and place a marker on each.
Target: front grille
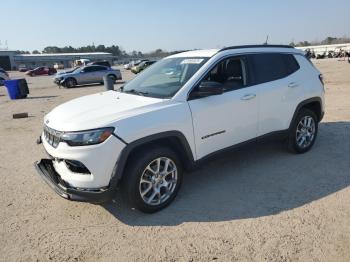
(52, 136)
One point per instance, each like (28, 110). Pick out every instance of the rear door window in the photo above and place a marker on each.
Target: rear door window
(272, 66)
(100, 68)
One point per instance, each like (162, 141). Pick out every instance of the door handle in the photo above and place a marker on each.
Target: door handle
(248, 96)
(293, 84)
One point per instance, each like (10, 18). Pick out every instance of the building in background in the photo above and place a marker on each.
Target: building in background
(321, 49)
(10, 60)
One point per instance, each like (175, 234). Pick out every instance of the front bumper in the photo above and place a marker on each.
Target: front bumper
(46, 170)
(100, 160)
(58, 81)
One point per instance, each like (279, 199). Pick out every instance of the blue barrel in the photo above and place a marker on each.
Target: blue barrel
(17, 88)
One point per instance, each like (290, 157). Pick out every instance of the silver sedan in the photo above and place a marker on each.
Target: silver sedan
(87, 75)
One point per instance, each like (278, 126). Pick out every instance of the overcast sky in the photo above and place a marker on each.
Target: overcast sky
(170, 25)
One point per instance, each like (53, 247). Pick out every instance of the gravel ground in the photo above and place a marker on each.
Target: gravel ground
(259, 203)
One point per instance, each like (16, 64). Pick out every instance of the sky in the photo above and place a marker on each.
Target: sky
(170, 25)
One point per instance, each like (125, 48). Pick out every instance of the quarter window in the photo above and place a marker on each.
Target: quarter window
(291, 63)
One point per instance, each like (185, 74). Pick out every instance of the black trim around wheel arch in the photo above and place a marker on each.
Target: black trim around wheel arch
(118, 172)
(305, 102)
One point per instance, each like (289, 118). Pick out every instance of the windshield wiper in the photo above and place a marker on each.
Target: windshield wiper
(133, 91)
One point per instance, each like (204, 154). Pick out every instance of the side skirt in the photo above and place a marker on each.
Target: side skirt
(276, 135)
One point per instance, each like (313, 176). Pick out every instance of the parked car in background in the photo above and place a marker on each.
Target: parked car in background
(87, 75)
(127, 66)
(22, 68)
(102, 63)
(81, 62)
(176, 114)
(43, 70)
(3, 76)
(58, 66)
(142, 66)
(134, 63)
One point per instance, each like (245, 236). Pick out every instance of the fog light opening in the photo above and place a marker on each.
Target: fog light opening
(77, 167)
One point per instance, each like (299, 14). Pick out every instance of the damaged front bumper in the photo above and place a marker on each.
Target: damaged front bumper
(48, 173)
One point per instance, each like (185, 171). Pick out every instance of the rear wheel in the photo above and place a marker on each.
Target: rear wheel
(70, 82)
(2, 81)
(303, 132)
(113, 78)
(152, 179)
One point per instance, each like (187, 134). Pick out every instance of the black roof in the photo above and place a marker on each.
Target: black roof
(255, 46)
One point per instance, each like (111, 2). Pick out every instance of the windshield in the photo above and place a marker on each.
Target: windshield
(164, 78)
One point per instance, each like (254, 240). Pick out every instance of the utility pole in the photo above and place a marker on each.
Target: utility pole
(267, 38)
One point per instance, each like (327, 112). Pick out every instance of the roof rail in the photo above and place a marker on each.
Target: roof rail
(255, 46)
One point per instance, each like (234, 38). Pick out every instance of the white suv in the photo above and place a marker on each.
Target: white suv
(174, 115)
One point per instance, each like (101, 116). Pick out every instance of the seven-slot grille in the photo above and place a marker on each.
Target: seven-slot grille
(52, 136)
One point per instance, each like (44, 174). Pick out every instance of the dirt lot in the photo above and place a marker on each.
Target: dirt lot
(257, 204)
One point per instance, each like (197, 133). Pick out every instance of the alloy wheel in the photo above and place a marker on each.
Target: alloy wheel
(305, 132)
(158, 181)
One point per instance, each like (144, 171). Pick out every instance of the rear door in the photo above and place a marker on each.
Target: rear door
(100, 72)
(277, 79)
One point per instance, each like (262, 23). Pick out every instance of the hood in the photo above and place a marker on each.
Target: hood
(98, 110)
(64, 74)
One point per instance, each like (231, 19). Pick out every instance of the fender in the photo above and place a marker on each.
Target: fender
(303, 103)
(124, 155)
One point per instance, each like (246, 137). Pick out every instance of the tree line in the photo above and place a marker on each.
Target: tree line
(120, 53)
(327, 41)
(114, 50)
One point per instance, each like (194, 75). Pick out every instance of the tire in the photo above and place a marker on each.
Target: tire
(2, 81)
(303, 132)
(143, 165)
(70, 82)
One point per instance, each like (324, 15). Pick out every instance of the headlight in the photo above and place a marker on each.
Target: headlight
(90, 137)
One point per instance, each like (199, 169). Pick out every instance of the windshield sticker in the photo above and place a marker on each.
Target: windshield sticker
(192, 61)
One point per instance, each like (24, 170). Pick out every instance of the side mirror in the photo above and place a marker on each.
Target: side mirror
(208, 88)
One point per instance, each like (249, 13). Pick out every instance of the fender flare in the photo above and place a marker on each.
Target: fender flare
(303, 103)
(128, 149)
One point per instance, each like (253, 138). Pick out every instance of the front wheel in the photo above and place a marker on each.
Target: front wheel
(70, 82)
(303, 132)
(152, 179)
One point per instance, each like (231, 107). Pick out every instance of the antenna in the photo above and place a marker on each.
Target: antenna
(267, 38)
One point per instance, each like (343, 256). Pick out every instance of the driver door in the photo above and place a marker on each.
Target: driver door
(223, 120)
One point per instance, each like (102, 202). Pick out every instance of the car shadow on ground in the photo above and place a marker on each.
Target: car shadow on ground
(116, 84)
(255, 181)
